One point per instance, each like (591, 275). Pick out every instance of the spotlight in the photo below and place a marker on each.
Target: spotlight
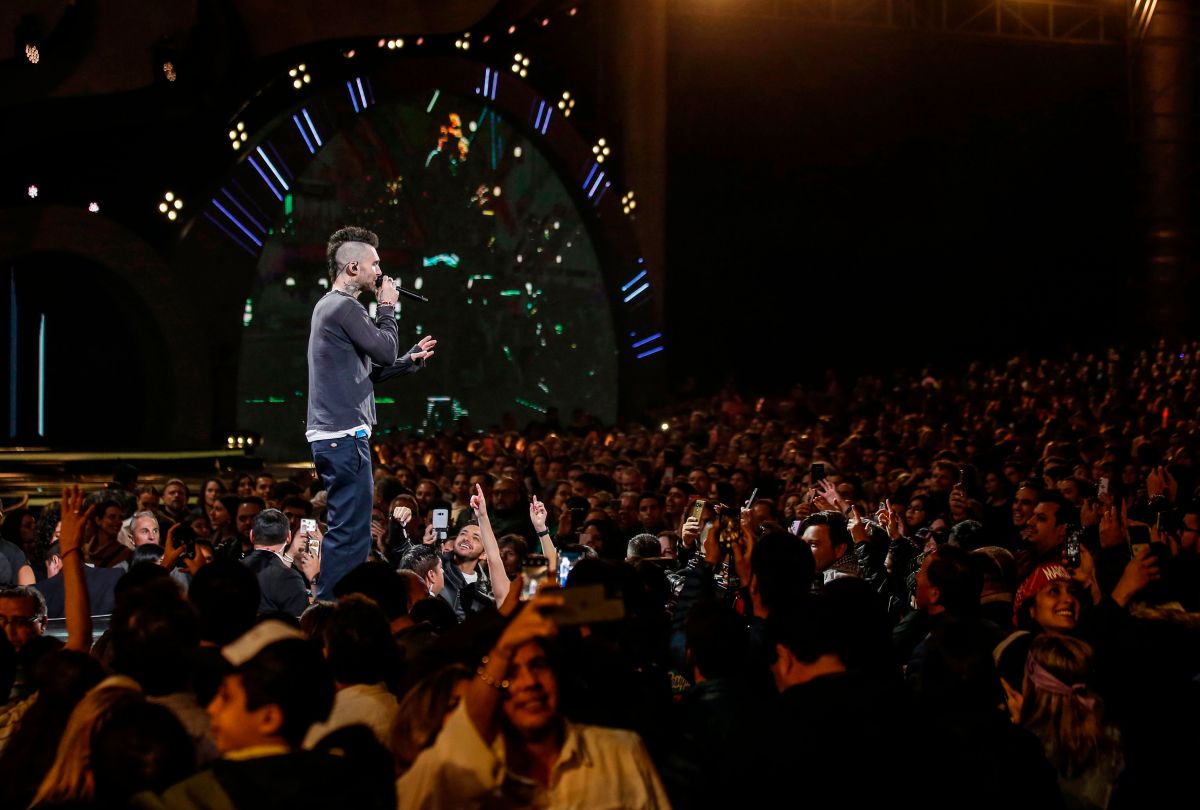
(32, 53)
(566, 104)
(520, 65)
(628, 203)
(496, 191)
(487, 38)
(32, 191)
(237, 136)
(665, 427)
(169, 71)
(545, 21)
(299, 76)
(573, 12)
(600, 150)
(463, 43)
(512, 29)
(94, 207)
(170, 206)
(393, 44)
(349, 54)
(516, 151)
(381, 43)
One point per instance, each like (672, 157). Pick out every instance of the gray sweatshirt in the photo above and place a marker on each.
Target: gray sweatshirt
(347, 354)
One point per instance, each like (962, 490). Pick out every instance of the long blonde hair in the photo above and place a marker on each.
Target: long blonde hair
(70, 777)
(422, 712)
(1070, 726)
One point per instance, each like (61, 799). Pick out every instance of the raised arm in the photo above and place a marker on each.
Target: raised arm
(491, 548)
(537, 516)
(76, 603)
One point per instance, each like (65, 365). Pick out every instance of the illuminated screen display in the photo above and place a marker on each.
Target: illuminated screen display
(470, 214)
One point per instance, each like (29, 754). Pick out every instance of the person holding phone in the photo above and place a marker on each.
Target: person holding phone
(348, 352)
(514, 696)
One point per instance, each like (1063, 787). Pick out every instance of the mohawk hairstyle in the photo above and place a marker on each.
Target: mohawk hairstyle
(339, 238)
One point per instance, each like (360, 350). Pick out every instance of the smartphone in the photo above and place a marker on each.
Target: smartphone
(566, 562)
(696, 510)
(536, 570)
(1102, 490)
(750, 500)
(307, 525)
(816, 473)
(587, 604)
(795, 529)
(1139, 538)
(441, 523)
(1073, 557)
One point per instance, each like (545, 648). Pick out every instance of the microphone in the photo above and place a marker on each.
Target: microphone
(416, 296)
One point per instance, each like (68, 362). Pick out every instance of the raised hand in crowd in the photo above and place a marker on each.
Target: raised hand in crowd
(172, 550)
(1140, 572)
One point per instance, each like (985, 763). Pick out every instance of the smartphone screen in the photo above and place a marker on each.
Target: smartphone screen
(536, 570)
(566, 562)
(1073, 554)
(307, 525)
(817, 473)
(441, 518)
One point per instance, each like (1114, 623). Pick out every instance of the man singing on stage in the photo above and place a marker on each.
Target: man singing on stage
(347, 354)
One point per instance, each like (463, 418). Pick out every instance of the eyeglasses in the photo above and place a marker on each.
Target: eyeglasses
(18, 621)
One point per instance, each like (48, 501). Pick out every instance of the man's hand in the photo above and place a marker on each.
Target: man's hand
(690, 532)
(309, 565)
(857, 526)
(172, 550)
(479, 503)
(73, 523)
(1140, 572)
(892, 522)
(386, 295)
(537, 515)
(1112, 532)
(828, 493)
(424, 350)
(430, 536)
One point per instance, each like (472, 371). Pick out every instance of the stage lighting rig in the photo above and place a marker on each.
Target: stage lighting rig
(463, 43)
(237, 136)
(520, 65)
(170, 206)
(32, 53)
(299, 76)
(32, 191)
(628, 203)
(601, 150)
(566, 104)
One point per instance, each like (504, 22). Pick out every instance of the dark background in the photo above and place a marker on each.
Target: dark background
(837, 197)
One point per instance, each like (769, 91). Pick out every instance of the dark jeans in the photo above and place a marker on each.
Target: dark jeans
(344, 465)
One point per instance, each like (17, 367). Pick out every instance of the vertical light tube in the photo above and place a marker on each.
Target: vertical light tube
(12, 356)
(42, 377)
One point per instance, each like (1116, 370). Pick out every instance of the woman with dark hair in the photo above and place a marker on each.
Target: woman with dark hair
(244, 485)
(212, 489)
(221, 516)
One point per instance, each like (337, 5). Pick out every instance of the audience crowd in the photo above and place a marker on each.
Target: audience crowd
(976, 590)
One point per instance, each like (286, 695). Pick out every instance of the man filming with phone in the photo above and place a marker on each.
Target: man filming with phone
(348, 353)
